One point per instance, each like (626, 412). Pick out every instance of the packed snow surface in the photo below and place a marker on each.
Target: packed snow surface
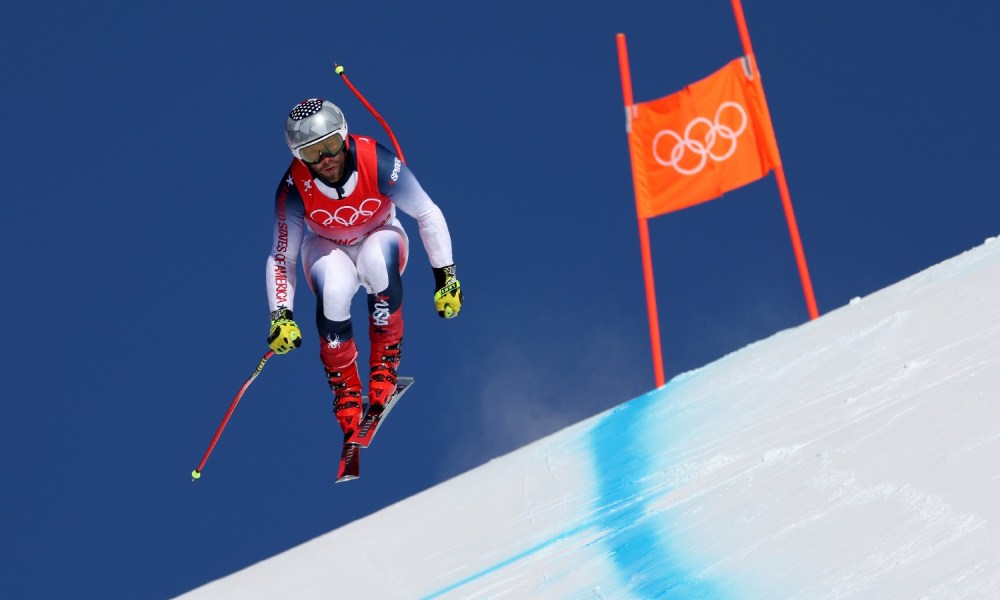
(855, 456)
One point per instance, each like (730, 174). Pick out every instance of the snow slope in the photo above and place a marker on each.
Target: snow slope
(856, 456)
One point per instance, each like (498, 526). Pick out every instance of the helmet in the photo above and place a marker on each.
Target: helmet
(311, 121)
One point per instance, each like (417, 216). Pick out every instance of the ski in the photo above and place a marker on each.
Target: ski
(350, 459)
(374, 417)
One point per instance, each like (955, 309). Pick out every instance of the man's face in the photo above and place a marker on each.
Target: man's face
(331, 168)
(327, 158)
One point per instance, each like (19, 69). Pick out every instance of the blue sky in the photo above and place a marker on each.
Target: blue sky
(143, 147)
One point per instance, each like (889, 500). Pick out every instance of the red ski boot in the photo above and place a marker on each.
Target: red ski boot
(382, 382)
(386, 348)
(346, 385)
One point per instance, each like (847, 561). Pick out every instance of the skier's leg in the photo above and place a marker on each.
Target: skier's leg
(381, 261)
(334, 278)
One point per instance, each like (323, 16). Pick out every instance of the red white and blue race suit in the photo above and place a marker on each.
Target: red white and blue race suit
(349, 237)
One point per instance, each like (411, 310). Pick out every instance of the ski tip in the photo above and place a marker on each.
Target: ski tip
(344, 478)
(196, 474)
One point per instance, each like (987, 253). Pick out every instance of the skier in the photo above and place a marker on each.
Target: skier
(345, 189)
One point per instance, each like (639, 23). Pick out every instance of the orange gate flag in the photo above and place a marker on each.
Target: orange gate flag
(709, 138)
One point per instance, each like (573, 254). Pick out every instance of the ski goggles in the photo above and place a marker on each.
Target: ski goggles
(313, 153)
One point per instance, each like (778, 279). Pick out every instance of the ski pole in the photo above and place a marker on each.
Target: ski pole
(340, 71)
(218, 432)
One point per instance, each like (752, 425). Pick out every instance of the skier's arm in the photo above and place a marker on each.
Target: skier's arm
(398, 183)
(289, 220)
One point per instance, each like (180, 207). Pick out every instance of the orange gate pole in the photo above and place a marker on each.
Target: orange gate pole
(647, 256)
(779, 174)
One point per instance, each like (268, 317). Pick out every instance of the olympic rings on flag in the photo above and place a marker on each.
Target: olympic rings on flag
(704, 148)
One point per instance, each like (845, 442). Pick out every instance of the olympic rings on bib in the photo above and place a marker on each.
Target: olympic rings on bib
(346, 216)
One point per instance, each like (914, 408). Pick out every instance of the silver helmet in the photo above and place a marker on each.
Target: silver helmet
(311, 121)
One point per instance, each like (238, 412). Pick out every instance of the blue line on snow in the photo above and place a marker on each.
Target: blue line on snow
(646, 565)
(635, 540)
(508, 561)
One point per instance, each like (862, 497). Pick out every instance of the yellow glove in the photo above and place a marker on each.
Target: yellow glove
(285, 334)
(448, 297)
